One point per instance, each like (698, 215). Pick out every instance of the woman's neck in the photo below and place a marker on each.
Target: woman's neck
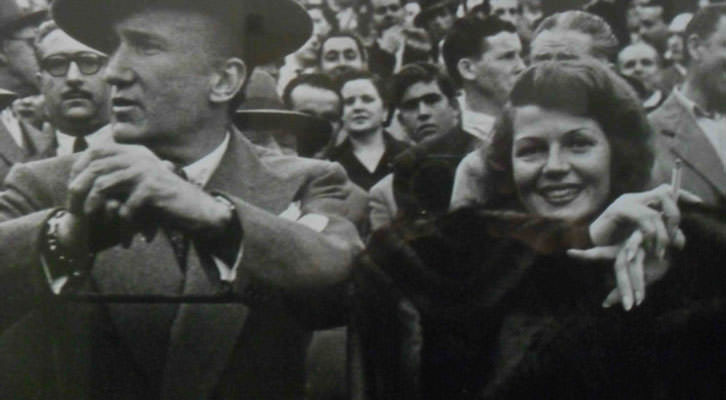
(368, 148)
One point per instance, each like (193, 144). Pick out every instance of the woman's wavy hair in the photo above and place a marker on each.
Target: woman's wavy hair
(584, 88)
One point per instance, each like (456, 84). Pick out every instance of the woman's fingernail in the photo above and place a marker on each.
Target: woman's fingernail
(630, 254)
(627, 303)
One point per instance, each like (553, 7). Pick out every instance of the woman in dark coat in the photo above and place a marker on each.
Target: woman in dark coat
(489, 302)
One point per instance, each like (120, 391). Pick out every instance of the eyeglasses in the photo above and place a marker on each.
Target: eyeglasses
(391, 8)
(499, 12)
(88, 63)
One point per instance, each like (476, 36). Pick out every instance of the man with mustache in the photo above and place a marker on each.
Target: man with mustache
(181, 261)
(76, 95)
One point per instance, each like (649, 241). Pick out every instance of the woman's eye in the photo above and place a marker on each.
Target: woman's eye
(580, 143)
(529, 150)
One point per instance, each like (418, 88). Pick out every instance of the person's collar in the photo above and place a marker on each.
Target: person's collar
(694, 108)
(476, 123)
(200, 171)
(65, 141)
(653, 100)
(12, 124)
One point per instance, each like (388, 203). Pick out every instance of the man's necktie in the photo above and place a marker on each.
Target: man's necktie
(80, 144)
(179, 242)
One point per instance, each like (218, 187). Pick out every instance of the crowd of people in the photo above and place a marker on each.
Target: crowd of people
(362, 199)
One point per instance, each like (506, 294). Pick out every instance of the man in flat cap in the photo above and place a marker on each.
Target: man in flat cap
(181, 262)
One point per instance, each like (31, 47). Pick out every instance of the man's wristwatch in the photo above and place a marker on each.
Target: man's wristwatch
(61, 260)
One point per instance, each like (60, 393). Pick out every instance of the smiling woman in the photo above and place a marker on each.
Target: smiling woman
(368, 150)
(493, 301)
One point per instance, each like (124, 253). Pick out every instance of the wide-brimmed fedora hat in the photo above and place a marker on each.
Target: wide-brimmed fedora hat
(270, 29)
(262, 110)
(16, 13)
(6, 98)
(429, 7)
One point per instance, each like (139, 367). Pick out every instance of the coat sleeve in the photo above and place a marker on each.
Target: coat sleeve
(23, 211)
(382, 204)
(308, 263)
(468, 188)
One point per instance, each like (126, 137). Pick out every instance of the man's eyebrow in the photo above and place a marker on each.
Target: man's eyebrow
(138, 35)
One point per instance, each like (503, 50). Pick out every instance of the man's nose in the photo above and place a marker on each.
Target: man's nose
(117, 73)
(423, 110)
(520, 66)
(74, 76)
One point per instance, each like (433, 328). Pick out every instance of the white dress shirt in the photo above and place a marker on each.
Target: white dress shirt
(65, 141)
(476, 123)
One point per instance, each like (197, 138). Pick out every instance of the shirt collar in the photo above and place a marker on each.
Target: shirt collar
(200, 171)
(65, 141)
(694, 108)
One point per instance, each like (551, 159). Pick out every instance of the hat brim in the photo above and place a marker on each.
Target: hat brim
(30, 18)
(425, 14)
(6, 98)
(312, 133)
(273, 28)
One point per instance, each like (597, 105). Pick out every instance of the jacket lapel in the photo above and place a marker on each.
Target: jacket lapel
(41, 142)
(9, 150)
(691, 144)
(203, 335)
(143, 328)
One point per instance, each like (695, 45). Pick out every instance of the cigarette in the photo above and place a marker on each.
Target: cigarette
(676, 179)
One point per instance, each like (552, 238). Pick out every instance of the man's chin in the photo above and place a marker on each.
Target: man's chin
(124, 132)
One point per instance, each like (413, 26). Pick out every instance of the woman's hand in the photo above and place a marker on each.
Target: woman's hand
(634, 268)
(635, 231)
(654, 213)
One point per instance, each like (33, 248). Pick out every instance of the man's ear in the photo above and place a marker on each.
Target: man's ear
(466, 69)
(227, 80)
(693, 46)
(454, 103)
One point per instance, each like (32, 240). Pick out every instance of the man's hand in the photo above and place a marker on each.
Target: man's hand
(129, 185)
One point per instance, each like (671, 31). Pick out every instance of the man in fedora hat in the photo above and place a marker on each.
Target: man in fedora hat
(181, 262)
(436, 18)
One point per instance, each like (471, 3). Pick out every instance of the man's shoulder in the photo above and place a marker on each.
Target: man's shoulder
(290, 166)
(47, 169)
(669, 109)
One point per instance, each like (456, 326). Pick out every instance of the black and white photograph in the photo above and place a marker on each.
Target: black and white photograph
(362, 199)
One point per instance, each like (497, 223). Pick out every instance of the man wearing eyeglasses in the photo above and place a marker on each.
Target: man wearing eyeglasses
(19, 20)
(76, 95)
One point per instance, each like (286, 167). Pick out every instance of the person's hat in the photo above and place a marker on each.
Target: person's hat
(679, 23)
(270, 28)
(429, 7)
(262, 109)
(6, 98)
(16, 13)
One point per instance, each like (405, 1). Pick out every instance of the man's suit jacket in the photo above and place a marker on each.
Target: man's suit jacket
(61, 349)
(677, 135)
(38, 146)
